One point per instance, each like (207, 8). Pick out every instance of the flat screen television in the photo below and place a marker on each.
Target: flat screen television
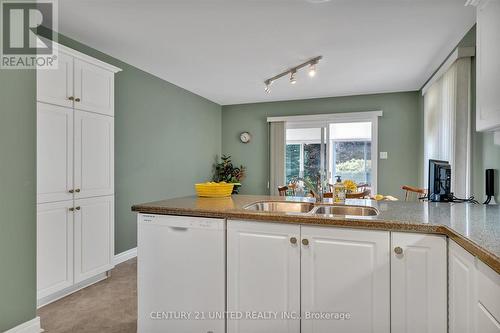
(439, 186)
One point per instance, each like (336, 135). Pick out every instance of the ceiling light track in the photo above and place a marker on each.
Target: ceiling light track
(292, 72)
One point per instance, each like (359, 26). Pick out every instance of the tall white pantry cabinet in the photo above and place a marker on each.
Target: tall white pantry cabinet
(75, 173)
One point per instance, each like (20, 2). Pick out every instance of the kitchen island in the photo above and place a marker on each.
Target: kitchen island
(407, 268)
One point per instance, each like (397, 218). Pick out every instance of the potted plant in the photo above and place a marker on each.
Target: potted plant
(225, 171)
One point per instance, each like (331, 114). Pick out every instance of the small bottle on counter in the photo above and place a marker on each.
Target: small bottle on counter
(339, 191)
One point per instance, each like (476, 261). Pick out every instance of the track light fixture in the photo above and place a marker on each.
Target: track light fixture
(312, 63)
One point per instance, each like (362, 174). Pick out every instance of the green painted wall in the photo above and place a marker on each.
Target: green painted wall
(17, 197)
(166, 139)
(399, 135)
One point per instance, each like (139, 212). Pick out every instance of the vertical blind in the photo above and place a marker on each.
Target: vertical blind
(276, 156)
(447, 130)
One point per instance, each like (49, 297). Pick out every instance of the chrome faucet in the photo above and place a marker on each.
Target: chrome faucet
(317, 191)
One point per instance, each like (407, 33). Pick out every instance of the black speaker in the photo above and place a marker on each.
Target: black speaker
(490, 185)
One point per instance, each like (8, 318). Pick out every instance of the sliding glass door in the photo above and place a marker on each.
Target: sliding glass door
(332, 148)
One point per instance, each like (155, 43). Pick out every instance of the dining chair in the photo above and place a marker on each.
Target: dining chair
(412, 193)
(282, 190)
(358, 195)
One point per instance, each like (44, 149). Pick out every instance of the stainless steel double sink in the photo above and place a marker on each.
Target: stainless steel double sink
(311, 208)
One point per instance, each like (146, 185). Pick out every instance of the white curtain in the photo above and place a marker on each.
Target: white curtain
(447, 130)
(277, 142)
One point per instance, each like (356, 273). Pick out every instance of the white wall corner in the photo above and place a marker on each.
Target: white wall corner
(124, 256)
(496, 138)
(31, 326)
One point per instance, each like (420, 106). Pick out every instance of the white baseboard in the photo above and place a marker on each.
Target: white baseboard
(124, 256)
(32, 326)
(70, 290)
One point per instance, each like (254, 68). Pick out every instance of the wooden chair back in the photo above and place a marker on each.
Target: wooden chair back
(358, 195)
(413, 193)
(282, 190)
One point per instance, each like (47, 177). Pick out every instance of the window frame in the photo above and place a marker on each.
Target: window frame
(323, 121)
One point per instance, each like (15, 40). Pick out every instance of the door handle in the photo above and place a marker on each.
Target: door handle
(293, 240)
(77, 190)
(77, 99)
(179, 228)
(398, 250)
(71, 98)
(77, 208)
(305, 242)
(71, 191)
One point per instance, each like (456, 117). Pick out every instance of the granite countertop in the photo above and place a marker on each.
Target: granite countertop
(474, 227)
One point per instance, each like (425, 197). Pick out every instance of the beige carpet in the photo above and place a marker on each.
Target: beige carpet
(107, 306)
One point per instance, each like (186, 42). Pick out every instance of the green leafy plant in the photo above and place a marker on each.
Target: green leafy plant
(225, 171)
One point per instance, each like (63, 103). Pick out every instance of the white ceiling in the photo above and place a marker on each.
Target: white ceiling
(223, 50)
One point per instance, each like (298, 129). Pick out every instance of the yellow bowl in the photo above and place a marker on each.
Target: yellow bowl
(214, 190)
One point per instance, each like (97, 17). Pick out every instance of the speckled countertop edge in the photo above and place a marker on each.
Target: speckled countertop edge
(167, 207)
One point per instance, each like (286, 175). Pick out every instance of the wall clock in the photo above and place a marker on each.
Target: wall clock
(245, 137)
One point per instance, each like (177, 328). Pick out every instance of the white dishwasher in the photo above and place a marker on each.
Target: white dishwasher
(180, 274)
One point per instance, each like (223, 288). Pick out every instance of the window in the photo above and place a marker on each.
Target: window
(303, 153)
(351, 151)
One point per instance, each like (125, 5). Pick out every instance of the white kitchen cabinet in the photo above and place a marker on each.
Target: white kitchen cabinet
(94, 236)
(94, 88)
(418, 283)
(263, 274)
(55, 86)
(474, 302)
(488, 65)
(462, 291)
(54, 242)
(54, 153)
(345, 271)
(75, 168)
(94, 154)
(488, 299)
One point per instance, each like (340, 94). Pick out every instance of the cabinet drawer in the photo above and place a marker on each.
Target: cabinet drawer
(488, 289)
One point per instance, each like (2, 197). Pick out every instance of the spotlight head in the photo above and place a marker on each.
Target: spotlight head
(312, 69)
(293, 79)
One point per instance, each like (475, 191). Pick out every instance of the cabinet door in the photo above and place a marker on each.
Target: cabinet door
(55, 86)
(94, 88)
(488, 299)
(462, 295)
(94, 238)
(263, 275)
(54, 242)
(94, 154)
(488, 66)
(345, 275)
(418, 283)
(54, 153)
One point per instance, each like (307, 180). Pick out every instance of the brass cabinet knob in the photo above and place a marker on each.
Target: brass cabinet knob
(293, 240)
(77, 190)
(71, 209)
(305, 241)
(71, 98)
(77, 99)
(398, 250)
(71, 191)
(77, 208)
